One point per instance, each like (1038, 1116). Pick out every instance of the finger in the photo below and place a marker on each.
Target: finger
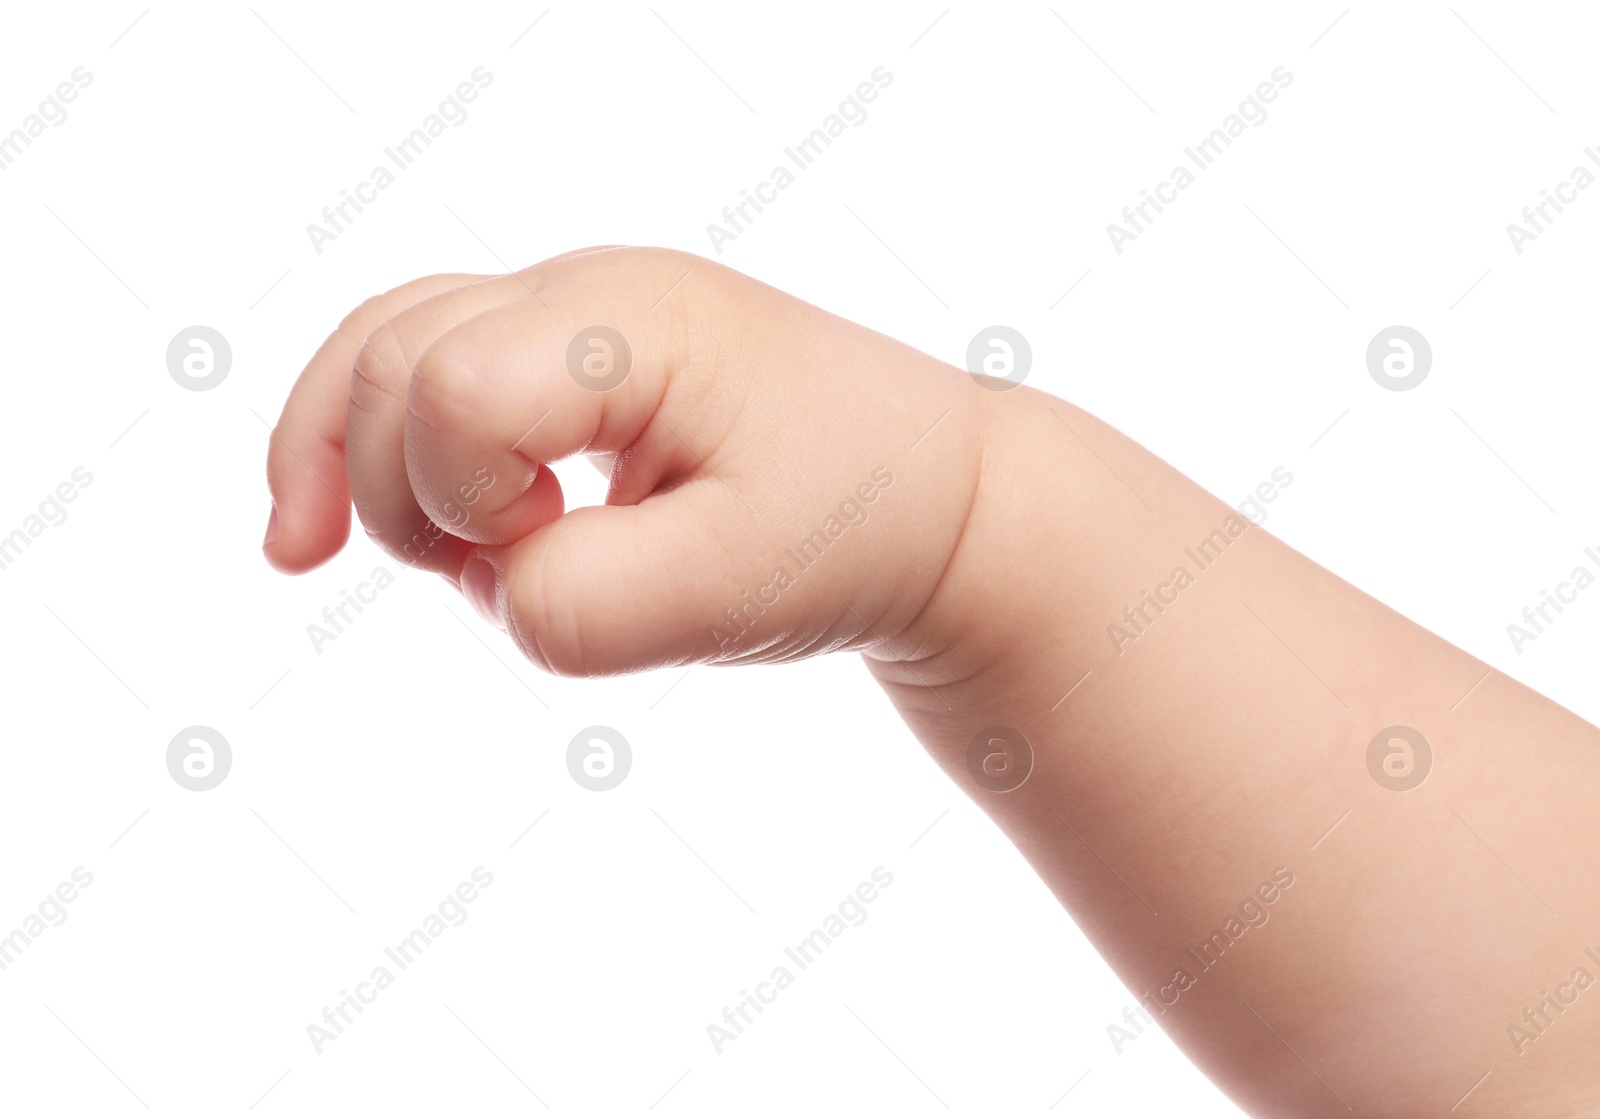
(531, 382)
(375, 434)
(310, 518)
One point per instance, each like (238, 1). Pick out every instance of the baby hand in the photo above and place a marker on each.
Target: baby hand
(783, 482)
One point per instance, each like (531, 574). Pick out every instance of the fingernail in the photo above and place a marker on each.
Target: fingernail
(478, 584)
(272, 527)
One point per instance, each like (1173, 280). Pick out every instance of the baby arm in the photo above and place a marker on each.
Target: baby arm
(1193, 733)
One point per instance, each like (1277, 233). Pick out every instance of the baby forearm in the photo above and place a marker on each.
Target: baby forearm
(1316, 926)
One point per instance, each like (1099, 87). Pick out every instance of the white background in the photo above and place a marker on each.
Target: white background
(371, 777)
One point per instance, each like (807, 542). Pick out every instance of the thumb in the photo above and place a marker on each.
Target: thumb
(609, 589)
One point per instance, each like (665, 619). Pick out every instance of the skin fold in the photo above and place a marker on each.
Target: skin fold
(1210, 756)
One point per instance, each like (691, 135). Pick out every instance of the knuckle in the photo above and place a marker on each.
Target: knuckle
(442, 388)
(378, 374)
(646, 267)
(359, 321)
(376, 309)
